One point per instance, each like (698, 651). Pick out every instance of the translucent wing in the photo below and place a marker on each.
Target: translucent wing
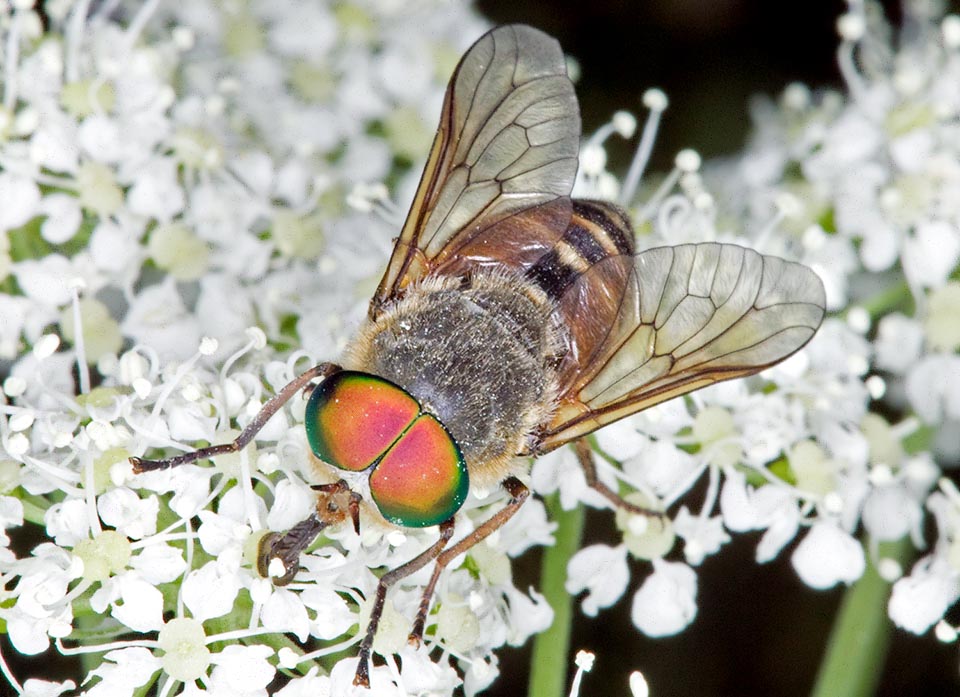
(692, 315)
(507, 143)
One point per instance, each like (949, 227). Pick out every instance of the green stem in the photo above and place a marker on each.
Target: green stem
(34, 509)
(548, 673)
(895, 297)
(857, 648)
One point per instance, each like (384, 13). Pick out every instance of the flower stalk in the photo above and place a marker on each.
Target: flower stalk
(852, 665)
(552, 647)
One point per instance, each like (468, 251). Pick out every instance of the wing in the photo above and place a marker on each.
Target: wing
(507, 144)
(692, 315)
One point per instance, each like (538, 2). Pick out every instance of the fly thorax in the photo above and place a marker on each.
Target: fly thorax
(477, 357)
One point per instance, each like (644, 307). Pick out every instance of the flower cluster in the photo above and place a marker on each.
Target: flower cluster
(170, 176)
(190, 192)
(851, 434)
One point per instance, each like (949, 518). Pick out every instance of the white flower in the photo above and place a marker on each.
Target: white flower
(421, 675)
(666, 602)
(210, 590)
(46, 280)
(527, 528)
(159, 563)
(292, 502)
(285, 612)
(530, 614)
(703, 536)
(899, 343)
(931, 253)
(39, 612)
(123, 671)
(310, 685)
(827, 556)
(661, 466)
(63, 218)
(242, 670)
(600, 570)
(331, 616)
(188, 169)
(933, 387)
(561, 471)
(19, 200)
(132, 601)
(11, 516)
(126, 512)
(920, 599)
(44, 688)
(68, 522)
(158, 318)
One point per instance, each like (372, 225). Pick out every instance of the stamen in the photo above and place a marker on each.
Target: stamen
(656, 101)
(889, 569)
(10, 64)
(83, 370)
(64, 478)
(257, 340)
(599, 136)
(686, 162)
(102, 648)
(140, 21)
(14, 386)
(46, 346)
(858, 319)
(945, 632)
(713, 492)
(796, 97)
(584, 661)
(950, 30)
(638, 685)
(8, 674)
(851, 27)
(174, 383)
(787, 206)
(330, 650)
(374, 198)
(876, 386)
(74, 39)
(103, 12)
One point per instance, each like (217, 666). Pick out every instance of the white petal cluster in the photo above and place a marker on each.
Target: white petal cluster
(190, 192)
(841, 445)
(176, 182)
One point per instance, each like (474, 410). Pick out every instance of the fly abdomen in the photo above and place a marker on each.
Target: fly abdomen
(597, 231)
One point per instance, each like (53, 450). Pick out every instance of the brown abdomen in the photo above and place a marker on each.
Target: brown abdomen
(586, 276)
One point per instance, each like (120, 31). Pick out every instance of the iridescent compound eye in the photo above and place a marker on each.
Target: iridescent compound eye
(357, 422)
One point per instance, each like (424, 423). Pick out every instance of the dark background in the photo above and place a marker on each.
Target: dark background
(710, 56)
(759, 630)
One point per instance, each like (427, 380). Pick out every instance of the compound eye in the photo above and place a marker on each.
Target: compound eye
(352, 418)
(422, 480)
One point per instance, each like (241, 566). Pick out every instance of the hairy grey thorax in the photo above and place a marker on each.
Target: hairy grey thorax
(475, 357)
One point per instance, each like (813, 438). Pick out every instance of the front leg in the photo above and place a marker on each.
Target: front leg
(585, 456)
(278, 555)
(273, 405)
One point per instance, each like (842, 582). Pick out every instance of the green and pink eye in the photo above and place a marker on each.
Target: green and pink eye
(362, 423)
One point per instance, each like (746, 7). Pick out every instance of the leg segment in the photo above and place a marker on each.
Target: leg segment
(324, 370)
(335, 503)
(585, 456)
(286, 548)
(518, 494)
(388, 579)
